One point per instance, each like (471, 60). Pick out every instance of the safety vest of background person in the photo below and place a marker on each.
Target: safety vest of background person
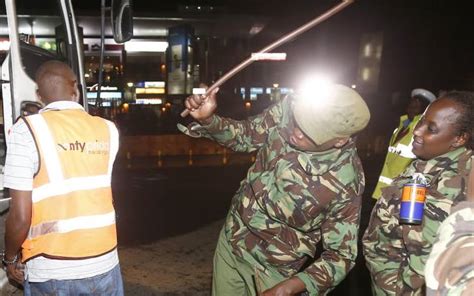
(399, 156)
(73, 215)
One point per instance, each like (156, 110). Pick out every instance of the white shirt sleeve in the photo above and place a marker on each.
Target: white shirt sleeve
(22, 158)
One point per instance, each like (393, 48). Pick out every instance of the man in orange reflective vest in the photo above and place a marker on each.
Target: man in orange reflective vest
(61, 224)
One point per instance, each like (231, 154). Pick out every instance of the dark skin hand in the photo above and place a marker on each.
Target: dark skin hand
(15, 273)
(288, 287)
(17, 226)
(202, 107)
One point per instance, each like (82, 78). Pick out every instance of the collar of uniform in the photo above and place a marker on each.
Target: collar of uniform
(61, 105)
(429, 168)
(318, 163)
(405, 117)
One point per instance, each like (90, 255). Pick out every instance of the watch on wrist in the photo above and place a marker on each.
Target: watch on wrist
(6, 262)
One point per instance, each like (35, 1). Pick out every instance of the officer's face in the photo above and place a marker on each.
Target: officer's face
(436, 133)
(299, 140)
(414, 108)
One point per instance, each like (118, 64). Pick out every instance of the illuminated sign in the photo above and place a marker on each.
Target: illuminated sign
(150, 90)
(107, 88)
(102, 104)
(199, 91)
(105, 95)
(256, 90)
(154, 84)
(148, 101)
(268, 56)
(146, 46)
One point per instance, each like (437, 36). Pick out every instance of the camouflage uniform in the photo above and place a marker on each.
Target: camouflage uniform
(447, 272)
(396, 254)
(287, 203)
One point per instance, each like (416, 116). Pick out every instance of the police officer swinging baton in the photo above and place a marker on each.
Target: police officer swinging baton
(274, 45)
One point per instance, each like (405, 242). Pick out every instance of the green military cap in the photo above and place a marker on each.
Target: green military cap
(331, 112)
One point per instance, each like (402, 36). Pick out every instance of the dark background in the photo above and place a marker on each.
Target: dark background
(427, 43)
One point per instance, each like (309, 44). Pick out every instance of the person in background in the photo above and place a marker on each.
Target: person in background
(305, 186)
(399, 154)
(450, 267)
(61, 221)
(396, 253)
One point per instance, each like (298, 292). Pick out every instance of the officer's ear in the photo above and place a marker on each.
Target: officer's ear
(460, 140)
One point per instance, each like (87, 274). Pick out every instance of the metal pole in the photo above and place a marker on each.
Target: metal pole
(275, 44)
(98, 100)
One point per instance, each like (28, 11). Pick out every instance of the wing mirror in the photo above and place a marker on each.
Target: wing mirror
(122, 20)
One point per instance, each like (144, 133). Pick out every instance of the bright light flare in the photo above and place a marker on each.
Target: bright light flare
(315, 89)
(146, 46)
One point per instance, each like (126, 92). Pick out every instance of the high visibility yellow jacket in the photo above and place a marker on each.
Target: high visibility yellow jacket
(73, 214)
(399, 156)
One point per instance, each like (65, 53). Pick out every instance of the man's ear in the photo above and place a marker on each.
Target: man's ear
(38, 95)
(341, 142)
(460, 140)
(76, 95)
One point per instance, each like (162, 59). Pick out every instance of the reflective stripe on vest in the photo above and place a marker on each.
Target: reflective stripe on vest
(385, 180)
(63, 226)
(403, 150)
(83, 225)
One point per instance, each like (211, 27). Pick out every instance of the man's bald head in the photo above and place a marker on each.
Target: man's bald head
(56, 82)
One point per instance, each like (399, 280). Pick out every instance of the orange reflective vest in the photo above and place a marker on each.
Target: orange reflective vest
(73, 214)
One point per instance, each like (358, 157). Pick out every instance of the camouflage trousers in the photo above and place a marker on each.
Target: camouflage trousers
(235, 276)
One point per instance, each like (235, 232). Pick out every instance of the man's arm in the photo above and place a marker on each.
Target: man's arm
(17, 226)
(340, 235)
(243, 136)
(18, 222)
(20, 166)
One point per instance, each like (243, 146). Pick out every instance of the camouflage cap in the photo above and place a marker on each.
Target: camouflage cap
(339, 111)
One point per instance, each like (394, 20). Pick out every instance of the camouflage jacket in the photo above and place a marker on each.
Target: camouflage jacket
(290, 199)
(446, 272)
(396, 254)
